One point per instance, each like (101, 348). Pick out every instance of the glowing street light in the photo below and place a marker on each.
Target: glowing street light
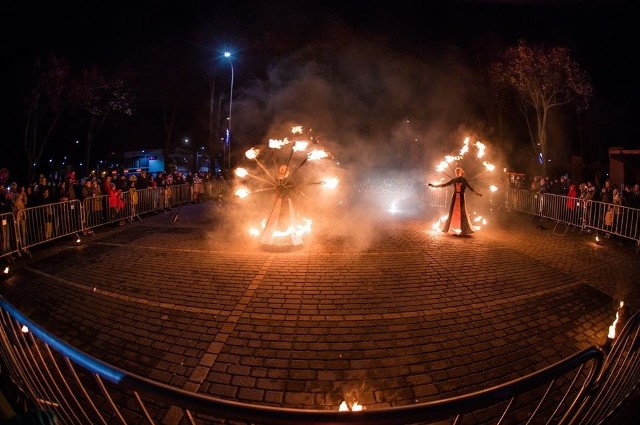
(227, 55)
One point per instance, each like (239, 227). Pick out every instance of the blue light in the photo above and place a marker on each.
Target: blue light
(86, 361)
(540, 158)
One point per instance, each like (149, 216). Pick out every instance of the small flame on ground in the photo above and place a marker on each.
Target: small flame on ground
(355, 407)
(612, 328)
(393, 208)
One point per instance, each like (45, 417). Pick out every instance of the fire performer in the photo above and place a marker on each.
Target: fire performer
(281, 227)
(458, 221)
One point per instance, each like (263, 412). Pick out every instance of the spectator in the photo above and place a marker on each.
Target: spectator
(19, 205)
(143, 182)
(47, 201)
(634, 199)
(606, 194)
(572, 194)
(6, 206)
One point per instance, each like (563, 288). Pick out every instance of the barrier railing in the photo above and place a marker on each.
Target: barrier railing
(76, 388)
(40, 224)
(606, 219)
(9, 240)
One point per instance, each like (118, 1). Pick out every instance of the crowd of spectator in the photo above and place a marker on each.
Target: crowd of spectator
(47, 190)
(610, 193)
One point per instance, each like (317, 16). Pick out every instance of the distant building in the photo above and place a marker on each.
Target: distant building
(153, 160)
(624, 165)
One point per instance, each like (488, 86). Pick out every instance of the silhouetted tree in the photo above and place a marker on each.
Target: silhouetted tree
(541, 79)
(50, 96)
(98, 96)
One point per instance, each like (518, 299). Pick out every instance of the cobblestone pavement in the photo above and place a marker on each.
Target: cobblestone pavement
(397, 315)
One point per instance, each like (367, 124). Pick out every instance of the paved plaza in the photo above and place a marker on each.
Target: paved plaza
(392, 314)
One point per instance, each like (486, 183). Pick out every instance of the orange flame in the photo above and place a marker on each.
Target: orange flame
(612, 328)
(331, 183)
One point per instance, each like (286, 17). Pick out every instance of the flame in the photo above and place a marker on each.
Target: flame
(355, 407)
(254, 232)
(488, 166)
(277, 144)
(612, 328)
(24, 329)
(296, 129)
(465, 146)
(481, 147)
(298, 230)
(393, 208)
(242, 192)
(493, 188)
(436, 225)
(241, 172)
(331, 182)
(317, 154)
(252, 153)
(300, 145)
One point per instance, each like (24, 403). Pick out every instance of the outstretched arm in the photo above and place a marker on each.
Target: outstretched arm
(450, 182)
(473, 190)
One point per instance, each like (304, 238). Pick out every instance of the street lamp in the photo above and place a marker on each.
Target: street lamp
(227, 55)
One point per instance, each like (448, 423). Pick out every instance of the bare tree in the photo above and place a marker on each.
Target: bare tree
(541, 79)
(49, 98)
(99, 96)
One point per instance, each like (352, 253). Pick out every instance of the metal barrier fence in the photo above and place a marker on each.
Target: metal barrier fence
(76, 388)
(435, 197)
(9, 243)
(43, 223)
(606, 219)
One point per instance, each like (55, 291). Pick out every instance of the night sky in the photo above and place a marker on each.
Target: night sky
(354, 72)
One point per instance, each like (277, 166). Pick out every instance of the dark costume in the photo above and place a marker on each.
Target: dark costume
(457, 221)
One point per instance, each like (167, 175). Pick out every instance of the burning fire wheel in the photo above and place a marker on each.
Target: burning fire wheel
(281, 170)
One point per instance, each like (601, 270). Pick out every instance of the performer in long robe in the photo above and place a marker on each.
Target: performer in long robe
(458, 221)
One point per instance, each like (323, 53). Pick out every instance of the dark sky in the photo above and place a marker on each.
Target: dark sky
(180, 41)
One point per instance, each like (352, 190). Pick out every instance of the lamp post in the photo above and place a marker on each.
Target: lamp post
(227, 55)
